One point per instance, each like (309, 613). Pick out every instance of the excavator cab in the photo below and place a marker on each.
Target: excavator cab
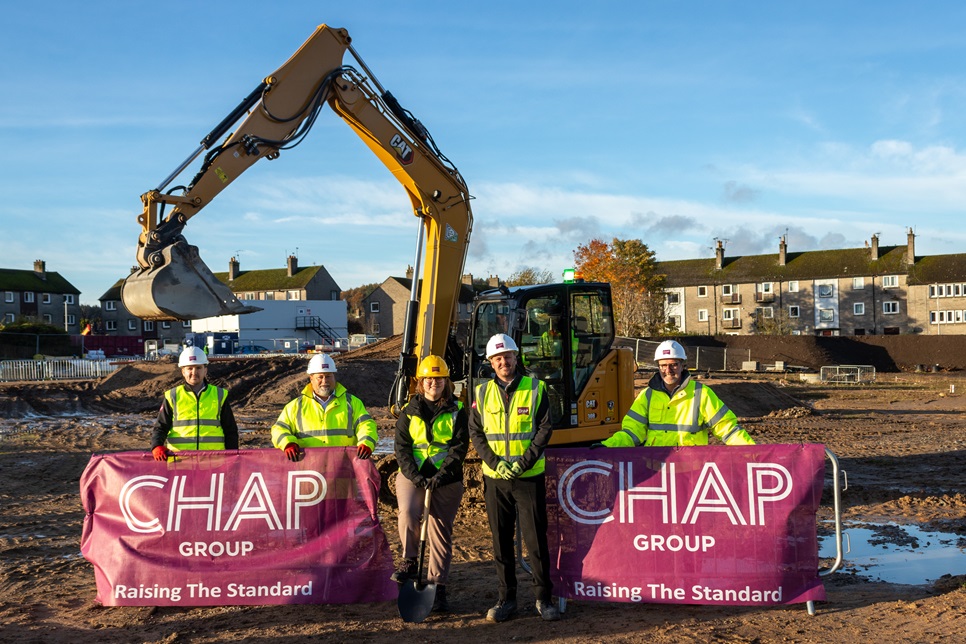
(565, 333)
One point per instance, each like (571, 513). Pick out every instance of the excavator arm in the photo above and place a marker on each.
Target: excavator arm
(171, 281)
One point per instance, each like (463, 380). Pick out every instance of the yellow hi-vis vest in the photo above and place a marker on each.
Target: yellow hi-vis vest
(655, 420)
(509, 432)
(344, 421)
(436, 449)
(195, 420)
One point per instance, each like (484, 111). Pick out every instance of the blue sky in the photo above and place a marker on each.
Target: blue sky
(677, 123)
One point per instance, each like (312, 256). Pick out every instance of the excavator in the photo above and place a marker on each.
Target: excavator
(565, 331)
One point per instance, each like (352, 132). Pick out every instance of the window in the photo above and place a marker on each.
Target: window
(110, 325)
(793, 286)
(825, 290)
(766, 287)
(858, 308)
(110, 305)
(765, 312)
(71, 320)
(890, 308)
(293, 295)
(793, 311)
(675, 321)
(28, 296)
(8, 318)
(186, 324)
(333, 295)
(890, 281)
(149, 325)
(375, 328)
(9, 297)
(702, 291)
(730, 314)
(269, 295)
(48, 319)
(673, 298)
(68, 299)
(132, 325)
(858, 283)
(46, 298)
(373, 307)
(726, 289)
(826, 315)
(166, 324)
(702, 315)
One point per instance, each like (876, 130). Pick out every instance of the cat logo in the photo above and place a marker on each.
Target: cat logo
(403, 150)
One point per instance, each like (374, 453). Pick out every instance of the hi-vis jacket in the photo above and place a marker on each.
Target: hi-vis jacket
(341, 423)
(432, 438)
(190, 422)
(684, 418)
(513, 425)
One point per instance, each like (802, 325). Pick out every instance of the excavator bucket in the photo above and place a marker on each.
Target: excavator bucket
(182, 287)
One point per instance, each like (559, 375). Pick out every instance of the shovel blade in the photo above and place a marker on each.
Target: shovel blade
(416, 600)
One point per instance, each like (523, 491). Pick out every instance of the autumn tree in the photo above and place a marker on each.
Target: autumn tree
(353, 298)
(636, 287)
(529, 275)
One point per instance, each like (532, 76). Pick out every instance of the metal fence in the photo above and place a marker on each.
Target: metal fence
(54, 369)
(848, 374)
(699, 358)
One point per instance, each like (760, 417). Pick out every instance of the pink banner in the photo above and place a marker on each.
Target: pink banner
(686, 525)
(247, 527)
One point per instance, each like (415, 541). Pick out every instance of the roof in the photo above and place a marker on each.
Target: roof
(13, 279)
(270, 279)
(467, 293)
(819, 264)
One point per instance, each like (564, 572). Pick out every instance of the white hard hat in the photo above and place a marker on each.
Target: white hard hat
(670, 350)
(500, 343)
(192, 357)
(321, 363)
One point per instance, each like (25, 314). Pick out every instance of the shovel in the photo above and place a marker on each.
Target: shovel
(416, 598)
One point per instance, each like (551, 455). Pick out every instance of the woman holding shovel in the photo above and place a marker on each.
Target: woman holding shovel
(431, 444)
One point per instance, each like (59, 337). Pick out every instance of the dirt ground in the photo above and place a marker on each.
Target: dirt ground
(901, 441)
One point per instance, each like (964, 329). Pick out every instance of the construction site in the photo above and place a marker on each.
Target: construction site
(901, 441)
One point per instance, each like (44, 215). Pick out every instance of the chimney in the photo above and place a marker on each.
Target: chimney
(40, 267)
(493, 281)
(409, 272)
(719, 256)
(232, 269)
(910, 248)
(293, 265)
(782, 250)
(468, 279)
(874, 248)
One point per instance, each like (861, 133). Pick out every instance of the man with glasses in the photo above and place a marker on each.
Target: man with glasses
(675, 410)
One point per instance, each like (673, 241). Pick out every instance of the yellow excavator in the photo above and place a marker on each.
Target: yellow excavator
(565, 331)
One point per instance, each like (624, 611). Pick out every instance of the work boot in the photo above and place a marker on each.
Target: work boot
(440, 604)
(504, 610)
(548, 610)
(406, 569)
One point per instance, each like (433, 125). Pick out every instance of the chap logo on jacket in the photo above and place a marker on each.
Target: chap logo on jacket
(523, 411)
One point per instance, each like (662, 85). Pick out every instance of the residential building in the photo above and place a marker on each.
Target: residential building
(854, 291)
(385, 307)
(289, 283)
(39, 295)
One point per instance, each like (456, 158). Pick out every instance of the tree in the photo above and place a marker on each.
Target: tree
(776, 324)
(353, 298)
(529, 275)
(636, 288)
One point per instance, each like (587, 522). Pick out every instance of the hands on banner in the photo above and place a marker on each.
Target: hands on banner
(364, 451)
(293, 452)
(160, 453)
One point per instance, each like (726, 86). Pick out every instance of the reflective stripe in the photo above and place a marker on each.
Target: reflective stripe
(208, 422)
(696, 407)
(636, 416)
(714, 420)
(179, 440)
(634, 438)
(688, 429)
(301, 432)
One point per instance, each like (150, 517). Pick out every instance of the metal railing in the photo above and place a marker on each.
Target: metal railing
(54, 369)
(848, 374)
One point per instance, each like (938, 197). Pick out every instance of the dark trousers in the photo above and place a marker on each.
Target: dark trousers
(505, 501)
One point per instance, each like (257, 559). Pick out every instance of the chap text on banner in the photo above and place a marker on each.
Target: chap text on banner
(239, 527)
(686, 525)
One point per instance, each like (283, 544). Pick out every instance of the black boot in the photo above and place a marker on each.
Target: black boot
(406, 569)
(441, 604)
